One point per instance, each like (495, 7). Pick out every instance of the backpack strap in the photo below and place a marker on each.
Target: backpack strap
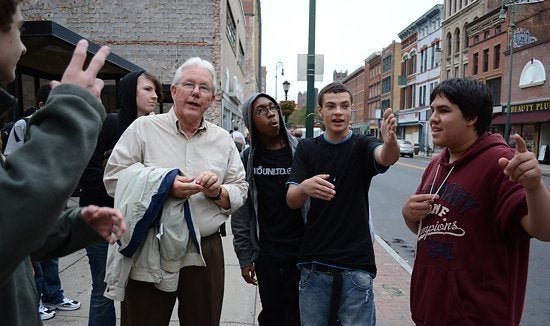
(27, 131)
(26, 136)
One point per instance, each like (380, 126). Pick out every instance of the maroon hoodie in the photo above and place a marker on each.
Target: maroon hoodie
(472, 252)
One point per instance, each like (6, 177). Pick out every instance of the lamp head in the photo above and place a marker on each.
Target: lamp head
(286, 85)
(502, 15)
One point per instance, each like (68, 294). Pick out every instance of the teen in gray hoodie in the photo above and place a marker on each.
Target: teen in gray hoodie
(267, 233)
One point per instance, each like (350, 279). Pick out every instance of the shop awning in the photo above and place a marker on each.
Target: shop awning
(50, 47)
(529, 117)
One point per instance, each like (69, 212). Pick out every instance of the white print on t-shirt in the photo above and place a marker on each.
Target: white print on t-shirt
(260, 170)
(443, 227)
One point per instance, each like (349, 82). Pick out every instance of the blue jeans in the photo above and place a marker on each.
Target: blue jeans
(102, 309)
(356, 299)
(46, 278)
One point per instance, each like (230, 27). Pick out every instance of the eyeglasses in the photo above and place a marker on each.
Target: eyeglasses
(263, 110)
(190, 86)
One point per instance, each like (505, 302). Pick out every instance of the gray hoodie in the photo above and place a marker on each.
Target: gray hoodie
(244, 222)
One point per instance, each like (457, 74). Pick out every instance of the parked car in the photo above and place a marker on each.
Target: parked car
(406, 148)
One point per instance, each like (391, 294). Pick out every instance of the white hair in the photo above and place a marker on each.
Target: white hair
(196, 62)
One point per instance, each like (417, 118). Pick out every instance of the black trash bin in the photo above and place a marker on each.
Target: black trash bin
(416, 148)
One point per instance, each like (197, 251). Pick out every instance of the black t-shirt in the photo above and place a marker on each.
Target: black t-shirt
(337, 232)
(281, 228)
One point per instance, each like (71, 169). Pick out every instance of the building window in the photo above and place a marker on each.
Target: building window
(413, 63)
(422, 95)
(422, 56)
(386, 85)
(457, 40)
(240, 59)
(494, 88)
(496, 62)
(498, 29)
(486, 34)
(386, 64)
(485, 60)
(476, 39)
(475, 63)
(231, 29)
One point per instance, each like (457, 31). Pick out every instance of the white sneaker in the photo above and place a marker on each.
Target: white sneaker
(45, 313)
(66, 304)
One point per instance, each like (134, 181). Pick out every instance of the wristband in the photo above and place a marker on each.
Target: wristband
(217, 197)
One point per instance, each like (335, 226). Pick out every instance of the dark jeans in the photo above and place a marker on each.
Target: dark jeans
(278, 285)
(102, 309)
(48, 284)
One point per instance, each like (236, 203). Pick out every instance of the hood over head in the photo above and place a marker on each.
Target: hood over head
(247, 116)
(126, 100)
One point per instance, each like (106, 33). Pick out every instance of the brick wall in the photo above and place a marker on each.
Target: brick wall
(156, 35)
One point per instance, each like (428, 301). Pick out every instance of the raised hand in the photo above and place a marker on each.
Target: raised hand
(523, 167)
(389, 126)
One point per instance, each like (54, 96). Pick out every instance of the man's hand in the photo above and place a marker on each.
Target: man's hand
(184, 186)
(388, 153)
(209, 182)
(75, 73)
(524, 167)
(106, 221)
(389, 127)
(418, 206)
(319, 187)
(249, 274)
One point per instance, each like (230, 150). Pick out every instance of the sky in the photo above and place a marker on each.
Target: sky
(285, 28)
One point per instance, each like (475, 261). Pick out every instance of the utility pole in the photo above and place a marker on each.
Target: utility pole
(310, 102)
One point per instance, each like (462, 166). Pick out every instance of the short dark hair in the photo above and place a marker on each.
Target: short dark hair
(7, 10)
(334, 87)
(472, 97)
(235, 128)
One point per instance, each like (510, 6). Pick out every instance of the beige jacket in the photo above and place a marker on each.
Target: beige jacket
(160, 248)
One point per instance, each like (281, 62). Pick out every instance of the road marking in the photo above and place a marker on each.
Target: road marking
(411, 166)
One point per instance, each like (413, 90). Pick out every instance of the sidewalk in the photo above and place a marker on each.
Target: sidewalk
(241, 301)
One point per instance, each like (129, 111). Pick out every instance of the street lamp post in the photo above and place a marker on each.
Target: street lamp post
(286, 86)
(512, 25)
(277, 67)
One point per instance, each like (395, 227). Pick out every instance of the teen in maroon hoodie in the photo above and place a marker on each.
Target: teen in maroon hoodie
(475, 211)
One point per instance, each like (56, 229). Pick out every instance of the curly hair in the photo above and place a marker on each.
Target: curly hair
(7, 10)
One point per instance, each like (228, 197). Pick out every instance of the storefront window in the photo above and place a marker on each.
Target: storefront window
(528, 133)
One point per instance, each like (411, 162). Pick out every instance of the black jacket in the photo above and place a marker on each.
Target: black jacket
(91, 182)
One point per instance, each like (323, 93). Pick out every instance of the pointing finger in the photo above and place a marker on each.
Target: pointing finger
(521, 147)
